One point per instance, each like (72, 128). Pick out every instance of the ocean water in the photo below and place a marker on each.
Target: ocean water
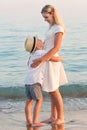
(13, 60)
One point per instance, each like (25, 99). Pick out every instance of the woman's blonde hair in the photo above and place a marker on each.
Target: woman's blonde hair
(50, 9)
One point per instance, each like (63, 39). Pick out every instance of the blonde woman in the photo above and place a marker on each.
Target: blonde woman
(55, 74)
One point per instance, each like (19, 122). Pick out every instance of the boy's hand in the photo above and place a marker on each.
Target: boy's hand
(36, 63)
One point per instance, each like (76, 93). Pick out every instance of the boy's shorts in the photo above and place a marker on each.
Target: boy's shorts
(33, 91)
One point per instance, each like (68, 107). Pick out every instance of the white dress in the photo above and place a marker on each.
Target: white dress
(54, 75)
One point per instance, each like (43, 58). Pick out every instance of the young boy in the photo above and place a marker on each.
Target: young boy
(34, 79)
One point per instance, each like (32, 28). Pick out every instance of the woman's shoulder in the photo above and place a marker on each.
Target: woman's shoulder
(58, 28)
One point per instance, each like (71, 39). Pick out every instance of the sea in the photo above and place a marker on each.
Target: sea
(13, 63)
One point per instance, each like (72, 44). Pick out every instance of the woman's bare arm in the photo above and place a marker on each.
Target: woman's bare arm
(56, 59)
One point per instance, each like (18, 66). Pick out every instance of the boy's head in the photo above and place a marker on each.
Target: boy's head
(33, 43)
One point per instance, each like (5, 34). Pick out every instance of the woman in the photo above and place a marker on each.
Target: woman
(56, 74)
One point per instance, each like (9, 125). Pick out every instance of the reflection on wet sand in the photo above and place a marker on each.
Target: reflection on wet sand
(58, 127)
(32, 128)
(53, 127)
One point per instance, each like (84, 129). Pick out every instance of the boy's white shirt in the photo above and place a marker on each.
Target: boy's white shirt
(35, 75)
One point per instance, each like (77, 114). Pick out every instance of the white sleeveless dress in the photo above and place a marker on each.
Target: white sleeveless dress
(54, 73)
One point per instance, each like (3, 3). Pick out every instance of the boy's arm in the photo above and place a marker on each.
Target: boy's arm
(56, 58)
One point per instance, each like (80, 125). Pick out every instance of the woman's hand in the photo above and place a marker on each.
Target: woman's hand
(56, 58)
(36, 63)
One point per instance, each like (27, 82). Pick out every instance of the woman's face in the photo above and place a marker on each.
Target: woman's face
(48, 17)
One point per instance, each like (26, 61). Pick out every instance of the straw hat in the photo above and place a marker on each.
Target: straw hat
(30, 43)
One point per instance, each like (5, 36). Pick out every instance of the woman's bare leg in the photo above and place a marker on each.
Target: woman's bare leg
(53, 116)
(57, 115)
(57, 99)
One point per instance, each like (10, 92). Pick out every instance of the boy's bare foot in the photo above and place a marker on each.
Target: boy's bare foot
(50, 120)
(39, 124)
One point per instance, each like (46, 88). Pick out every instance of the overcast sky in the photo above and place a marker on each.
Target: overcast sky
(30, 9)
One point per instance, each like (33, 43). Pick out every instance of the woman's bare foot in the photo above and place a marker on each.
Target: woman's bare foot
(58, 122)
(49, 120)
(29, 122)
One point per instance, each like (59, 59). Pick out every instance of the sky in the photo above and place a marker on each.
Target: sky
(30, 9)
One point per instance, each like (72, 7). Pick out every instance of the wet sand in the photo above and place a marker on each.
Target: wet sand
(74, 120)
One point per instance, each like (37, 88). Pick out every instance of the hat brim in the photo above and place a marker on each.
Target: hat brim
(30, 44)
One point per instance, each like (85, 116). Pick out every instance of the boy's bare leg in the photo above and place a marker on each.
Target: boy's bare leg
(37, 110)
(36, 113)
(28, 111)
(53, 109)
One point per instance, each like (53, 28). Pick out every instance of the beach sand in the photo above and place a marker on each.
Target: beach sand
(74, 120)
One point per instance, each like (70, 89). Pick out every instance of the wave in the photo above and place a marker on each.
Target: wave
(12, 92)
(71, 90)
(74, 90)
